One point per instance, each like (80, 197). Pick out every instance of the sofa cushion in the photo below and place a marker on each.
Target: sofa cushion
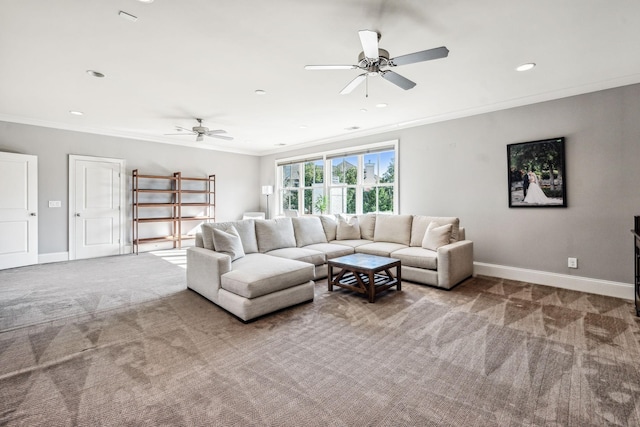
(258, 274)
(300, 254)
(421, 222)
(331, 250)
(275, 234)
(228, 242)
(246, 230)
(393, 229)
(308, 230)
(348, 230)
(436, 236)
(379, 248)
(417, 257)
(367, 226)
(354, 243)
(330, 226)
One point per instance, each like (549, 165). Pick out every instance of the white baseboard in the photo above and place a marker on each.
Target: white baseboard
(53, 257)
(576, 283)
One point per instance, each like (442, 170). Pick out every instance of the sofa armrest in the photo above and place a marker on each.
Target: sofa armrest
(204, 268)
(455, 263)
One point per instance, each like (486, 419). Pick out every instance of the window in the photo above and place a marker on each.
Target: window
(361, 181)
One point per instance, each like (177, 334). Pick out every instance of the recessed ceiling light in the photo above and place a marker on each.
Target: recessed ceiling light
(280, 144)
(526, 67)
(145, 1)
(95, 73)
(352, 128)
(128, 16)
(364, 110)
(76, 113)
(303, 126)
(381, 105)
(261, 92)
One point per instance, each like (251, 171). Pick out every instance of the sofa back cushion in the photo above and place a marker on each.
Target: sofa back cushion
(308, 230)
(367, 226)
(348, 230)
(330, 226)
(275, 234)
(393, 229)
(228, 242)
(246, 229)
(421, 222)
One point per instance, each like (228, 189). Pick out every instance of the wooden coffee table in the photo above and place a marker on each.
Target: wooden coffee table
(365, 274)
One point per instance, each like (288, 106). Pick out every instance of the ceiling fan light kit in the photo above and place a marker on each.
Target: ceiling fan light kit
(374, 61)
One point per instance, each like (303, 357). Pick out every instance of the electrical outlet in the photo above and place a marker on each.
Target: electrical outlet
(55, 204)
(572, 263)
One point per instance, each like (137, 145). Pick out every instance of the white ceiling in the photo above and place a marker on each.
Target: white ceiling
(204, 58)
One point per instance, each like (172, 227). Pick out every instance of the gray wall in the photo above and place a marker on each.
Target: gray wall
(459, 168)
(237, 184)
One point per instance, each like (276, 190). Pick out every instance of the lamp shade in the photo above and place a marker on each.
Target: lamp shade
(267, 189)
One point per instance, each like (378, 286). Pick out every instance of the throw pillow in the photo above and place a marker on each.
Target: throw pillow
(330, 226)
(228, 242)
(436, 236)
(348, 230)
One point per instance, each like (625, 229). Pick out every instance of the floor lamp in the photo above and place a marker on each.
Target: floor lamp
(267, 190)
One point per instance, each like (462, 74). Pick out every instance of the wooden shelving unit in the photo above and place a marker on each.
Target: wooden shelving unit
(171, 199)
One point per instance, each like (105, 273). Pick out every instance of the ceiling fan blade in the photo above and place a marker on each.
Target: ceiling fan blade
(353, 84)
(369, 40)
(215, 131)
(330, 67)
(425, 55)
(199, 137)
(225, 137)
(185, 129)
(398, 80)
(181, 133)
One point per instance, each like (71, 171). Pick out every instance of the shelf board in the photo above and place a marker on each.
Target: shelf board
(163, 239)
(173, 178)
(165, 219)
(196, 218)
(197, 191)
(197, 179)
(155, 205)
(149, 190)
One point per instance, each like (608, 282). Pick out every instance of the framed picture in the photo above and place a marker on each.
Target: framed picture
(536, 172)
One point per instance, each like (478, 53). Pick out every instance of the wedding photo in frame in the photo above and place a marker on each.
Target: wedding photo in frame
(536, 173)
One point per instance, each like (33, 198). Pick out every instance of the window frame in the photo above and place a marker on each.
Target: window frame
(327, 157)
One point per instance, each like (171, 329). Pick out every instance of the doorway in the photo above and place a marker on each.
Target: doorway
(18, 210)
(96, 207)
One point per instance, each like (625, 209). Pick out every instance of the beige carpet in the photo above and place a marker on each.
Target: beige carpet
(488, 353)
(45, 292)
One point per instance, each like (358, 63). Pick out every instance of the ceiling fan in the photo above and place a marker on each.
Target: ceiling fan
(201, 131)
(375, 61)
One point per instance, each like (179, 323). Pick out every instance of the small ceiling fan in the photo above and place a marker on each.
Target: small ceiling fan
(201, 131)
(375, 61)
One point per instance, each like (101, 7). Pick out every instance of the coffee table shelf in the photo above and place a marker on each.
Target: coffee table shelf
(365, 274)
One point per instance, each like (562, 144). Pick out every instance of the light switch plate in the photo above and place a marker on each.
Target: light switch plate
(55, 204)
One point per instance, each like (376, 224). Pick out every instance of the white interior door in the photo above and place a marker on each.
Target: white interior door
(18, 210)
(95, 207)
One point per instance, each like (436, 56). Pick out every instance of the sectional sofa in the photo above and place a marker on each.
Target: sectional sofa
(255, 267)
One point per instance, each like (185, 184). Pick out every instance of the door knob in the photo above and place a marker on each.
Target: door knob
(32, 214)
(77, 214)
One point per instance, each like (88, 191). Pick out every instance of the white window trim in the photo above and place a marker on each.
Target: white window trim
(324, 155)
